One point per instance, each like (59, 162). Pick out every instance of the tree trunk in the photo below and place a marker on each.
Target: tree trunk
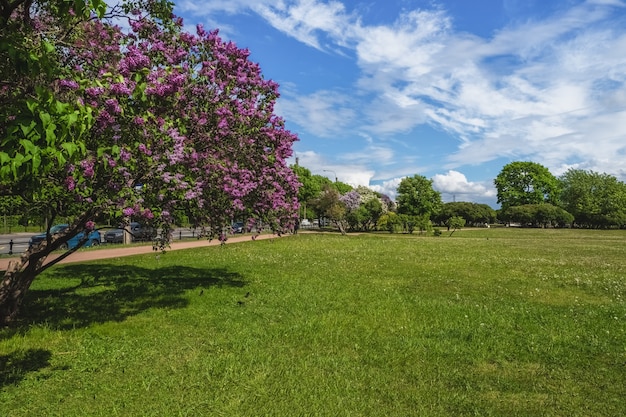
(21, 273)
(16, 281)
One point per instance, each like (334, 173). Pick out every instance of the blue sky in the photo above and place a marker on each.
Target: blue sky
(451, 89)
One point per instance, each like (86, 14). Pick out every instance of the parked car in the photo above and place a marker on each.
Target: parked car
(92, 240)
(237, 227)
(138, 233)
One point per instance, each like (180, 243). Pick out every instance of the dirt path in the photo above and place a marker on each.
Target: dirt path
(116, 252)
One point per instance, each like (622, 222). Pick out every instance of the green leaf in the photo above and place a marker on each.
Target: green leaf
(36, 163)
(70, 148)
(29, 146)
(72, 118)
(101, 9)
(45, 118)
(50, 135)
(61, 107)
(32, 105)
(27, 129)
(48, 47)
(5, 171)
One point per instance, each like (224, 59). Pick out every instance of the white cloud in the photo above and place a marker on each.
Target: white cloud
(324, 113)
(456, 184)
(305, 20)
(389, 187)
(354, 174)
(373, 153)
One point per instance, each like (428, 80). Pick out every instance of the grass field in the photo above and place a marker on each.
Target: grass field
(490, 322)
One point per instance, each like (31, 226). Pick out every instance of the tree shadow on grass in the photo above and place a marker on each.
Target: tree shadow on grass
(112, 293)
(15, 366)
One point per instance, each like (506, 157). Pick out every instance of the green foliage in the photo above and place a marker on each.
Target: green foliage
(311, 184)
(416, 197)
(328, 205)
(537, 215)
(390, 222)
(594, 199)
(410, 223)
(48, 136)
(367, 215)
(473, 213)
(311, 190)
(520, 183)
(456, 222)
(342, 187)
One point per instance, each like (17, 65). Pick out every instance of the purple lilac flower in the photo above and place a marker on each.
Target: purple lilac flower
(70, 183)
(87, 166)
(69, 84)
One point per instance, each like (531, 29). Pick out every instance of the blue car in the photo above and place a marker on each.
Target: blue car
(93, 240)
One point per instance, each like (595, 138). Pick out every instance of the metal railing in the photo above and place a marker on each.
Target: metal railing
(18, 242)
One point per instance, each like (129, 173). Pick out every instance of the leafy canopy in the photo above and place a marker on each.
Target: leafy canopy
(140, 123)
(520, 183)
(416, 197)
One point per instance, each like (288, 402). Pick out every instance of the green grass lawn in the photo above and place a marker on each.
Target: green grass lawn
(490, 322)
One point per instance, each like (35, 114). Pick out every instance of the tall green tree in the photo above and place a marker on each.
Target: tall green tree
(416, 197)
(522, 183)
(329, 205)
(594, 199)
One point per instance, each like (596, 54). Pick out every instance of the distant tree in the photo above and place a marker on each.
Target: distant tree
(454, 223)
(373, 210)
(364, 208)
(310, 188)
(537, 215)
(594, 199)
(389, 221)
(416, 197)
(329, 205)
(473, 213)
(410, 223)
(522, 183)
(342, 187)
(388, 203)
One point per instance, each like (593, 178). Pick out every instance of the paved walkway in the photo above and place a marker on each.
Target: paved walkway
(116, 252)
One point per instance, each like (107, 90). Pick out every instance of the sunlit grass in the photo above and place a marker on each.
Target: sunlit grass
(487, 322)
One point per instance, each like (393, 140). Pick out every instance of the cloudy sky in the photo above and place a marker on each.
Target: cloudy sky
(450, 89)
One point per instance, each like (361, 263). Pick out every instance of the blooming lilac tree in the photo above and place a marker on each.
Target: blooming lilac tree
(351, 199)
(142, 124)
(365, 207)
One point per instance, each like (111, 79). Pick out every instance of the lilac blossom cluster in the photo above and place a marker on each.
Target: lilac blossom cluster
(351, 199)
(181, 122)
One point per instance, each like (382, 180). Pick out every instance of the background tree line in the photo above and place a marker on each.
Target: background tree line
(529, 195)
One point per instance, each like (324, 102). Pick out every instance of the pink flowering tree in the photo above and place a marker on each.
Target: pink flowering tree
(141, 124)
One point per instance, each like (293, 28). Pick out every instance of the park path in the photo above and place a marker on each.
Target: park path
(116, 252)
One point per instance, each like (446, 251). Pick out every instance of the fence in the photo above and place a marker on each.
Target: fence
(16, 243)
